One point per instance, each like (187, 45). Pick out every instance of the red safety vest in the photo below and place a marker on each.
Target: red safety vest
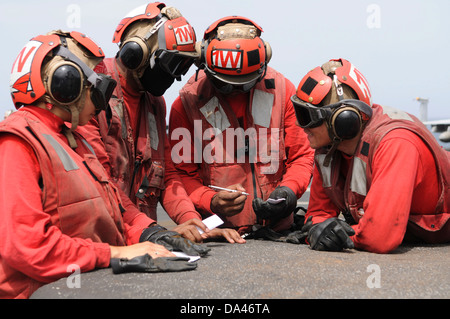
(72, 185)
(138, 167)
(349, 194)
(258, 165)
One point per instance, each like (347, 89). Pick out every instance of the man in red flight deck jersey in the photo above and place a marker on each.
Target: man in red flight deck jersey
(237, 92)
(157, 46)
(58, 208)
(379, 166)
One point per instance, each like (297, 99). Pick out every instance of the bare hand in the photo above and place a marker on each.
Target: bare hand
(229, 234)
(189, 230)
(227, 203)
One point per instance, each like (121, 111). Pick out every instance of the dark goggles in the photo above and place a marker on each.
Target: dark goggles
(102, 91)
(310, 116)
(174, 63)
(227, 87)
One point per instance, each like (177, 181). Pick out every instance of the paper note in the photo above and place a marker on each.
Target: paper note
(181, 254)
(211, 223)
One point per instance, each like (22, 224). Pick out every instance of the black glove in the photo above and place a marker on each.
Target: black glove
(172, 241)
(330, 235)
(266, 210)
(147, 264)
(296, 235)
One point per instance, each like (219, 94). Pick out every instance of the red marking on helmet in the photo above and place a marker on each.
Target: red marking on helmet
(21, 84)
(231, 60)
(21, 60)
(184, 35)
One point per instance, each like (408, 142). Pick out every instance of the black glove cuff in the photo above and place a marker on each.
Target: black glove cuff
(149, 232)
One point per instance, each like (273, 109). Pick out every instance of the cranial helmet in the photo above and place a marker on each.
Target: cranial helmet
(157, 44)
(58, 68)
(233, 54)
(335, 80)
(335, 93)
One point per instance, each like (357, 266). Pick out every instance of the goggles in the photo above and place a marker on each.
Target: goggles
(310, 116)
(226, 85)
(102, 91)
(172, 62)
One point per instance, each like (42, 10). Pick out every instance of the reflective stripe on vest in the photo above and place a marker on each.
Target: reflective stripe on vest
(67, 161)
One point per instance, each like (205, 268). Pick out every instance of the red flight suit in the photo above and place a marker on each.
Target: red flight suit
(281, 153)
(397, 183)
(130, 140)
(57, 207)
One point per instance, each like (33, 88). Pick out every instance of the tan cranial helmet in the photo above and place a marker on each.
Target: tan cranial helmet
(58, 68)
(338, 95)
(335, 80)
(152, 34)
(233, 54)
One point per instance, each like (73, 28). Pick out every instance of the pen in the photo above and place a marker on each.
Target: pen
(227, 189)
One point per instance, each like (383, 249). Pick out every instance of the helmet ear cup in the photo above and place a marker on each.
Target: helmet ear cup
(65, 81)
(268, 51)
(133, 53)
(200, 48)
(346, 123)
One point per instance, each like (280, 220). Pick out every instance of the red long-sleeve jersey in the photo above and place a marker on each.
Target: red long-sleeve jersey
(299, 154)
(30, 244)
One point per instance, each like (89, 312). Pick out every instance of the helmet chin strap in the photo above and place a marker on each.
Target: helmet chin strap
(75, 117)
(331, 151)
(74, 109)
(336, 140)
(70, 138)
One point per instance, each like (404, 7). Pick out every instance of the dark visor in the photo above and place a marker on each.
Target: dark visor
(308, 115)
(102, 92)
(173, 62)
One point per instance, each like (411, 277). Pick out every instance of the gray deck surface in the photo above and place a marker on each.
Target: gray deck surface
(262, 269)
(271, 270)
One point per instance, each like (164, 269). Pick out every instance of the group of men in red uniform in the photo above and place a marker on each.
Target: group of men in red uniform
(86, 193)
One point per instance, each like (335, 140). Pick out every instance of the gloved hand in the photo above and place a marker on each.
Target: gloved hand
(330, 235)
(147, 264)
(267, 210)
(172, 241)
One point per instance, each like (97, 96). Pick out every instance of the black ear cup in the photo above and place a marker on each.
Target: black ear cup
(131, 55)
(134, 53)
(65, 83)
(346, 123)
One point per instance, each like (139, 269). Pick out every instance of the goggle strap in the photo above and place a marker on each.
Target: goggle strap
(91, 76)
(156, 27)
(339, 89)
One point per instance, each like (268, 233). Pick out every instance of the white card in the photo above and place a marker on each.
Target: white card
(211, 223)
(181, 254)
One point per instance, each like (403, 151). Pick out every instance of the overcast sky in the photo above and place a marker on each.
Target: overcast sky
(402, 47)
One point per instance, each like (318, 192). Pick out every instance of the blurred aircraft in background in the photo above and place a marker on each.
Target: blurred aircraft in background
(438, 126)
